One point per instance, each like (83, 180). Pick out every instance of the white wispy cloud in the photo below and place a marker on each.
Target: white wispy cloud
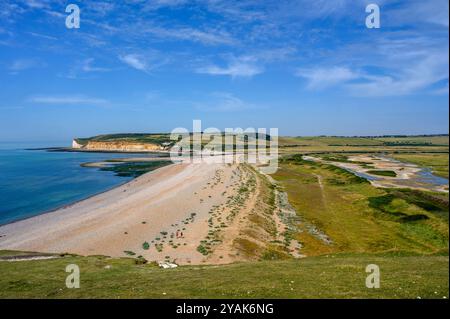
(55, 14)
(100, 8)
(37, 4)
(238, 11)
(418, 12)
(67, 100)
(136, 61)
(209, 37)
(320, 78)
(245, 67)
(88, 66)
(147, 61)
(421, 75)
(25, 64)
(43, 36)
(80, 69)
(223, 102)
(157, 4)
(417, 77)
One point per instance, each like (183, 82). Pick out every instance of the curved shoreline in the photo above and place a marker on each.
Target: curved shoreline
(119, 221)
(92, 165)
(63, 206)
(73, 204)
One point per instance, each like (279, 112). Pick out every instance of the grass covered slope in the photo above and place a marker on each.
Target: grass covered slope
(331, 276)
(155, 138)
(358, 217)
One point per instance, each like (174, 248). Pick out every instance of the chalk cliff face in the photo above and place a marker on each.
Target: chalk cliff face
(117, 146)
(75, 144)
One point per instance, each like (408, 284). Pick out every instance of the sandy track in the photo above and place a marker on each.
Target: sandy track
(152, 208)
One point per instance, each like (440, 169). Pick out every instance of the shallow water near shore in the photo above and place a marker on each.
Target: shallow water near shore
(33, 182)
(423, 178)
(427, 176)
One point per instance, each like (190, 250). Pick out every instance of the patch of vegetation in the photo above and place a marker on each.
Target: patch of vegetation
(395, 207)
(382, 173)
(274, 252)
(129, 252)
(140, 260)
(145, 245)
(202, 249)
(247, 247)
(434, 203)
(134, 169)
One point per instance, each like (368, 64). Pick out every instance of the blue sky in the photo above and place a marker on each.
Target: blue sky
(305, 67)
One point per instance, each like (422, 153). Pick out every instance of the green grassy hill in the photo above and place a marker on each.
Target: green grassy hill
(155, 138)
(329, 276)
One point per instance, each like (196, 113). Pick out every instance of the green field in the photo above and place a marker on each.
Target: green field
(338, 144)
(359, 217)
(329, 276)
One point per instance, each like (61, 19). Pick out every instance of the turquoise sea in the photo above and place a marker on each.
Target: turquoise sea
(36, 181)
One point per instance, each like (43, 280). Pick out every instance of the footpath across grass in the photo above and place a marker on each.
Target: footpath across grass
(329, 276)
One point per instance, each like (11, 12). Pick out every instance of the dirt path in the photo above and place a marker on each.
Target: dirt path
(322, 191)
(225, 252)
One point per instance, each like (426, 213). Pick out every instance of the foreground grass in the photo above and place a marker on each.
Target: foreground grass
(331, 276)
